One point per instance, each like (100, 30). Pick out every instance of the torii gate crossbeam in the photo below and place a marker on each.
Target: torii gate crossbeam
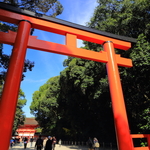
(22, 40)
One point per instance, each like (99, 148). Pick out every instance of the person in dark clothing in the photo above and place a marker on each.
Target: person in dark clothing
(31, 141)
(25, 142)
(49, 142)
(11, 142)
(54, 142)
(39, 143)
(90, 144)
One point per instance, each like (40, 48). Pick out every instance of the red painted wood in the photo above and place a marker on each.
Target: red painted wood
(120, 116)
(12, 84)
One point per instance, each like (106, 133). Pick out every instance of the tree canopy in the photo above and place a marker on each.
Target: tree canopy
(84, 103)
(47, 7)
(44, 104)
(50, 8)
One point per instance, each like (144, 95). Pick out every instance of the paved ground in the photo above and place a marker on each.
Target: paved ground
(62, 147)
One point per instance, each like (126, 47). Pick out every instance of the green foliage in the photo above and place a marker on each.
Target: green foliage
(4, 58)
(44, 104)
(51, 8)
(4, 62)
(48, 7)
(129, 18)
(145, 117)
(78, 79)
(38, 130)
(135, 82)
(141, 55)
(84, 103)
(83, 100)
(1, 87)
(19, 115)
(122, 17)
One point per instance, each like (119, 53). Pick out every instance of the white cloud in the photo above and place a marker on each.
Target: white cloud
(79, 43)
(81, 11)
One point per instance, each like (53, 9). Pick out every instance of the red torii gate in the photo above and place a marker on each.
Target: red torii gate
(22, 40)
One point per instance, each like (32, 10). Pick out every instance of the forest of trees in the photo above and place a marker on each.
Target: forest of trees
(77, 104)
(50, 8)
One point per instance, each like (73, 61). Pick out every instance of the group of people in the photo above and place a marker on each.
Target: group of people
(93, 144)
(48, 143)
(22, 141)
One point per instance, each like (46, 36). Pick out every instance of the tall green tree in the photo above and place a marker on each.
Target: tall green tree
(129, 18)
(121, 18)
(84, 103)
(50, 7)
(84, 100)
(44, 105)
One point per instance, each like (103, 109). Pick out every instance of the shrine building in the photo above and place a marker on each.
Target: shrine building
(28, 129)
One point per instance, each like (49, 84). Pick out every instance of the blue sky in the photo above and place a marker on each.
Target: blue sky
(48, 65)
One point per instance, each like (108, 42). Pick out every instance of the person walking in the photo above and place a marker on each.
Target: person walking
(44, 142)
(59, 142)
(96, 144)
(11, 142)
(25, 142)
(31, 141)
(49, 142)
(20, 141)
(39, 143)
(54, 142)
(90, 144)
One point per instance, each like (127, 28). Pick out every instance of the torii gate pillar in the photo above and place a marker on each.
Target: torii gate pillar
(9, 97)
(118, 105)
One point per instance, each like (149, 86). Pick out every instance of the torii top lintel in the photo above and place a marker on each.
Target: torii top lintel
(57, 21)
(72, 32)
